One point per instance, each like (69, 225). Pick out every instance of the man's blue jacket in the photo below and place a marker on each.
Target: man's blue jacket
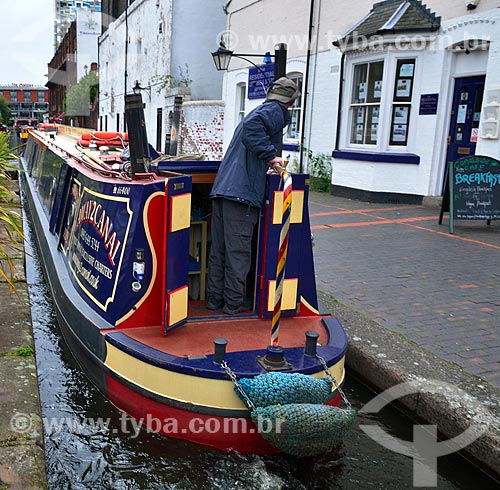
(242, 172)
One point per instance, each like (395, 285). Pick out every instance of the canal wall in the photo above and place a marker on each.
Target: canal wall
(385, 359)
(22, 457)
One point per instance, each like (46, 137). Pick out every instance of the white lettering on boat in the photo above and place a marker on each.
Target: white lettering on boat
(92, 212)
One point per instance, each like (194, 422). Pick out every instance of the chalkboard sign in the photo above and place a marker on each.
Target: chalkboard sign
(474, 189)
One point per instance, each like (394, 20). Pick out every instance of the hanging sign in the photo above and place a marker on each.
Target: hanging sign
(260, 80)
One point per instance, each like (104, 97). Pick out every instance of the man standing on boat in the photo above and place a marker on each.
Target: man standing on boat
(238, 193)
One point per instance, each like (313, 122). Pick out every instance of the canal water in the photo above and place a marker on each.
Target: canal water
(84, 454)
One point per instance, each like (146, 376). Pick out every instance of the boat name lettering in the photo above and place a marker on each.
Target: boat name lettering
(121, 191)
(179, 185)
(93, 213)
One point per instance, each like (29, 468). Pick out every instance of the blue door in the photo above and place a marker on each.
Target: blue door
(465, 116)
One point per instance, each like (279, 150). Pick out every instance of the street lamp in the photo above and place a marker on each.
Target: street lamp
(137, 89)
(222, 58)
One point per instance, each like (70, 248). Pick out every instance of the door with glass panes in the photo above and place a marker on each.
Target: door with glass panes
(465, 117)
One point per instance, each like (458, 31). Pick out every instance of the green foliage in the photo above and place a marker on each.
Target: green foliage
(4, 111)
(11, 231)
(167, 82)
(81, 96)
(320, 170)
(161, 82)
(183, 80)
(25, 351)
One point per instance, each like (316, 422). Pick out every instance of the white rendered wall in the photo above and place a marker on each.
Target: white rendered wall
(153, 53)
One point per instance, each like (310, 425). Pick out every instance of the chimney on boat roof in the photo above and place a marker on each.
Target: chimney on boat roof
(137, 136)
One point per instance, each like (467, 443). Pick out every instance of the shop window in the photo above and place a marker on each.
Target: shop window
(371, 105)
(293, 131)
(365, 102)
(401, 102)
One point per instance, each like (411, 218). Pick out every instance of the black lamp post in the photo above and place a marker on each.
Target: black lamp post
(222, 58)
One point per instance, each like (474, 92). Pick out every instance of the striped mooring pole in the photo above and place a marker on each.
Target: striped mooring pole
(282, 251)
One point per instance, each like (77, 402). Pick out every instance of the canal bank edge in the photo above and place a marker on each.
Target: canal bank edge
(385, 359)
(22, 456)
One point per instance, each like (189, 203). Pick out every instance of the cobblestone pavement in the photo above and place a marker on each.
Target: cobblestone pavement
(397, 265)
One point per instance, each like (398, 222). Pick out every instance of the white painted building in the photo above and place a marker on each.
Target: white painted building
(164, 46)
(405, 89)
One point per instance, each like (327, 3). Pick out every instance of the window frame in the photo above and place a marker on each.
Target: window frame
(364, 109)
(241, 101)
(296, 108)
(388, 102)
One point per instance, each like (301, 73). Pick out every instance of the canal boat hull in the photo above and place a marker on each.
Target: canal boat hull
(157, 363)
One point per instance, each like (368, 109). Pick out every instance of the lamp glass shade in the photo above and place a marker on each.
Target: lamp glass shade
(137, 88)
(222, 58)
(267, 58)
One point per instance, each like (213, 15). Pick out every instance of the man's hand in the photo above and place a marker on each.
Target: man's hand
(277, 165)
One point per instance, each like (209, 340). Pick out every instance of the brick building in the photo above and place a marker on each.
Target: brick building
(26, 102)
(75, 56)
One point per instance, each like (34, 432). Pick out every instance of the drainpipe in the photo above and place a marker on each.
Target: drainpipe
(306, 86)
(126, 49)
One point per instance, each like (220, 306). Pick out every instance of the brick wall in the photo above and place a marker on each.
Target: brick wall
(202, 128)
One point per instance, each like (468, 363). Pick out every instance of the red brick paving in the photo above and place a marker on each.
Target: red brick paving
(398, 266)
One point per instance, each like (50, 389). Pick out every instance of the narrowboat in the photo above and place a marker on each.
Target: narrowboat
(124, 246)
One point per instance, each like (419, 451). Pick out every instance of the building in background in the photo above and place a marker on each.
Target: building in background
(27, 103)
(163, 46)
(392, 90)
(76, 56)
(66, 13)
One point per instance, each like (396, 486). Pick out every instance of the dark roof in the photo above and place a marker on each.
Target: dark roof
(404, 16)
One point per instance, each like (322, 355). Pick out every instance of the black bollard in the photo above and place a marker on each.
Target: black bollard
(311, 343)
(219, 350)
(274, 360)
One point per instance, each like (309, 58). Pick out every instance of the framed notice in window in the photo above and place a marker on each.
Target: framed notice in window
(399, 134)
(403, 83)
(399, 125)
(401, 114)
(401, 102)
(403, 88)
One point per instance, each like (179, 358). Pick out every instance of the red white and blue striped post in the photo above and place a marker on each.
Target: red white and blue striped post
(283, 249)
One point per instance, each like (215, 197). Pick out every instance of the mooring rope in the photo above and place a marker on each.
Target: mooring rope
(282, 251)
